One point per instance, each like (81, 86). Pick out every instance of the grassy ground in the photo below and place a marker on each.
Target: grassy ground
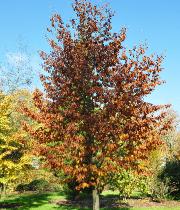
(46, 202)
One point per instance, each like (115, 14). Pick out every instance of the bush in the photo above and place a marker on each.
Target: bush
(39, 185)
(171, 172)
(160, 190)
(126, 182)
(22, 187)
(36, 185)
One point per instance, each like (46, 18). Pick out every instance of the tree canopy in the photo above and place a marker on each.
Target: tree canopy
(92, 113)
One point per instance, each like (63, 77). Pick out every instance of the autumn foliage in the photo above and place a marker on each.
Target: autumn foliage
(92, 114)
(14, 159)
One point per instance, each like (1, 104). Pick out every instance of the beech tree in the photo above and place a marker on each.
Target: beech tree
(92, 113)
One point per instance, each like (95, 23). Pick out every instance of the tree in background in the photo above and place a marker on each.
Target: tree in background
(13, 159)
(16, 74)
(17, 71)
(171, 163)
(92, 114)
(172, 138)
(156, 163)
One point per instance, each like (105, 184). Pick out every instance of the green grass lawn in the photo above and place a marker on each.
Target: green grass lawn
(43, 202)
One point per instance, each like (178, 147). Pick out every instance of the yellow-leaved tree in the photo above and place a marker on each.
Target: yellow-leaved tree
(13, 159)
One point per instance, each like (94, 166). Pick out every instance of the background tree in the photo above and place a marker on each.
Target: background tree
(171, 163)
(17, 71)
(15, 75)
(172, 138)
(13, 159)
(92, 114)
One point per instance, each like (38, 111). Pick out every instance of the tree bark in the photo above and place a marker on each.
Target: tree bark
(95, 199)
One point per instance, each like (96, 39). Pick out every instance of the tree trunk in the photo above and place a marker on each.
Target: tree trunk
(95, 199)
(4, 190)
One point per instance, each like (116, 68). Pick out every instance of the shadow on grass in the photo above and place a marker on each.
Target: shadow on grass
(107, 202)
(75, 208)
(25, 202)
(114, 202)
(35, 200)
